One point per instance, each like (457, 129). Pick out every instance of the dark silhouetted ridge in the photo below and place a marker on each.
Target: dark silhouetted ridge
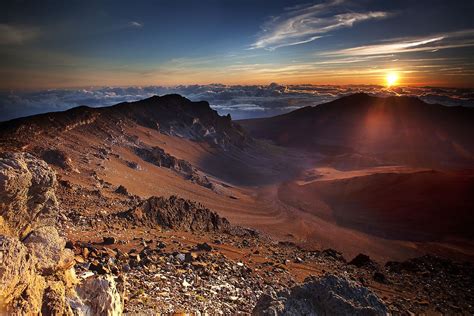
(401, 129)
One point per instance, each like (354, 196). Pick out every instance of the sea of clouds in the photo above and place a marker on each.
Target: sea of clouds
(240, 101)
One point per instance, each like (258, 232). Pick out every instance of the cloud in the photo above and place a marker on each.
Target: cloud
(15, 35)
(239, 107)
(431, 43)
(135, 24)
(240, 101)
(304, 24)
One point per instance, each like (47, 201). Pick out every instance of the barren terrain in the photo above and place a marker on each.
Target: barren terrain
(110, 159)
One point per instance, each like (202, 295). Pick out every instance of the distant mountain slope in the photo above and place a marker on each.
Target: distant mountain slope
(170, 114)
(397, 129)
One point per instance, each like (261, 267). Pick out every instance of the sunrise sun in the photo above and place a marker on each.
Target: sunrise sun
(392, 79)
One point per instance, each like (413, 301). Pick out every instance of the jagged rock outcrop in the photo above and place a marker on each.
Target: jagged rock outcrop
(175, 115)
(329, 295)
(160, 158)
(37, 273)
(176, 213)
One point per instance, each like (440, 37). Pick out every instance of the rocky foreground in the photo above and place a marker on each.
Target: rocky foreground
(171, 255)
(37, 274)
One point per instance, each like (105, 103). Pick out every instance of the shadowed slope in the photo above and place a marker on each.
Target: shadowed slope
(396, 129)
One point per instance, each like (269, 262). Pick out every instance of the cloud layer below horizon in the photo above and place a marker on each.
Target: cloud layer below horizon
(240, 101)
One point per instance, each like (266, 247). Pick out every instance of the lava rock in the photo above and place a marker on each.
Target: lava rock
(122, 190)
(133, 165)
(204, 247)
(175, 213)
(108, 240)
(99, 268)
(333, 254)
(379, 277)
(57, 158)
(362, 260)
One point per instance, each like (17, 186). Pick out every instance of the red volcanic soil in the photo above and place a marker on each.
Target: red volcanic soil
(418, 206)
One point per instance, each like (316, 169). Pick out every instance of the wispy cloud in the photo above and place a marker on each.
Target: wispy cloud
(135, 24)
(431, 43)
(14, 35)
(304, 24)
(352, 59)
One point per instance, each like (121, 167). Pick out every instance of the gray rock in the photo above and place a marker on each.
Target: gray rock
(330, 295)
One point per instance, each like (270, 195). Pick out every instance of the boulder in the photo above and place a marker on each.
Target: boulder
(48, 248)
(363, 261)
(379, 277)
(57, 158)
(27, 199)
(98, 296)
(108, 240)
(329, 295)
(203, 247)
(122, 190)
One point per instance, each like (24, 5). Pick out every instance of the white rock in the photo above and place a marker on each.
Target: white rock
(97, 296)
(185, 283)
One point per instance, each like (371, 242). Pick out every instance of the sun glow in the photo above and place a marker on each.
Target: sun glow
(392, 79)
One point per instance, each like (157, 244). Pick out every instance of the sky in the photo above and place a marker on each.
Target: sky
(82, 44)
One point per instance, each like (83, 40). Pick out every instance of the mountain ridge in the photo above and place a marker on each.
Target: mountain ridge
(405, 127)
(195, 119)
